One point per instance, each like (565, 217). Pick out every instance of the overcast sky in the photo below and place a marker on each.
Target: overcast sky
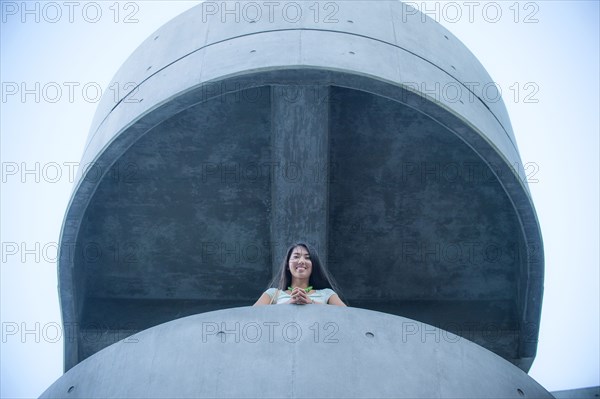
(543, 55)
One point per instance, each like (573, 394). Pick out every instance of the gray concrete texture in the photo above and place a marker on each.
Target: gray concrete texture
(235, 139)
(291, 351)
(580, 393)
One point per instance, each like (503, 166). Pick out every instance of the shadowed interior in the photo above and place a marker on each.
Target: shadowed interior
(418, 224)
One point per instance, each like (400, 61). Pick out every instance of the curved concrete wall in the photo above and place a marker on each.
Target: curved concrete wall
(295, 352)
(398, 48)
(380, 48)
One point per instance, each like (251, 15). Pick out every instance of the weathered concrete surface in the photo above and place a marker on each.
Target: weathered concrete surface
(580, 393)
(211, 165)
(300, 135)
(292, 351)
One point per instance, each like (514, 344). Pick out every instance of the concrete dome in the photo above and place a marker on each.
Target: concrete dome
(295, 352)
(367, 133)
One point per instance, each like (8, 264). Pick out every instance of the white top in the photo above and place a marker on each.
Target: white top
(320, 296)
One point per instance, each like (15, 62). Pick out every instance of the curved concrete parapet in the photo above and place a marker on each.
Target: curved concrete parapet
(367, 133)
(295, 352)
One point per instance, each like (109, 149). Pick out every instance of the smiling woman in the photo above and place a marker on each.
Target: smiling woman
(302, 280)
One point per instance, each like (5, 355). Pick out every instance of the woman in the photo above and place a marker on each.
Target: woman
(301, 281)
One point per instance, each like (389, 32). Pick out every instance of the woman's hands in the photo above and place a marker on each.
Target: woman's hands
(300, 297)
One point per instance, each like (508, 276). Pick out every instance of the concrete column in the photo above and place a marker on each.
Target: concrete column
(300, 139)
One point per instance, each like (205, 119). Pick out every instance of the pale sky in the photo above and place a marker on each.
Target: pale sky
(546, 52)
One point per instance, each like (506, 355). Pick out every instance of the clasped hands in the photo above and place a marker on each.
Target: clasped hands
(300, 297)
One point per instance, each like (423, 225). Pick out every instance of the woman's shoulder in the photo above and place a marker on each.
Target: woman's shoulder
(271, 291)
(326, 292)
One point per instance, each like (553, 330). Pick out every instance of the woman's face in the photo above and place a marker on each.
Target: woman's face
(300, 264)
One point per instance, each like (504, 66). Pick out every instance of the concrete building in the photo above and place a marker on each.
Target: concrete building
(366, 129)
(581, 393)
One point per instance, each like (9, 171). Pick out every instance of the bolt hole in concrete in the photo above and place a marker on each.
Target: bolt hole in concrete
(351, 52)
(253, 51)
(521, 393)
(350, 21)
(369, 334)
(70, 389)
(446, 37)
(453, 67)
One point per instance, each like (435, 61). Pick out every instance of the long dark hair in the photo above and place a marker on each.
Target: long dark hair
(319, 279)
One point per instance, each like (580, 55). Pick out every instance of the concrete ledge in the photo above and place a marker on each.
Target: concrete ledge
(295, 352)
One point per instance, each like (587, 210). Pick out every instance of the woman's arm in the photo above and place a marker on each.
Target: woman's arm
(335, 300)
